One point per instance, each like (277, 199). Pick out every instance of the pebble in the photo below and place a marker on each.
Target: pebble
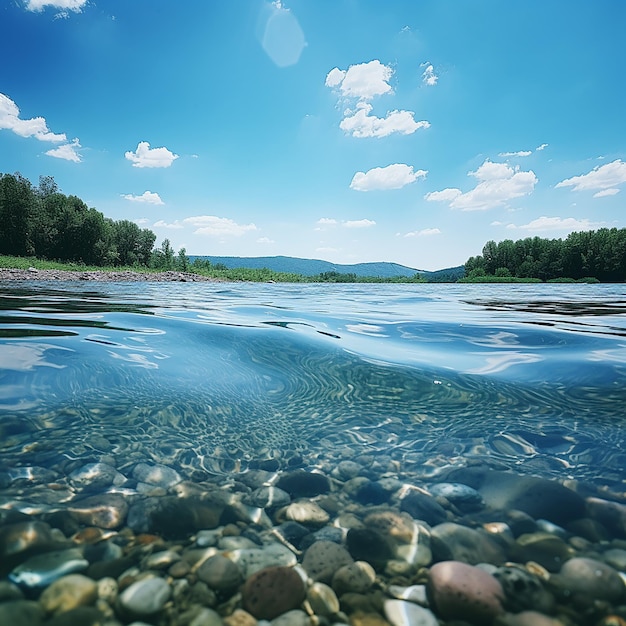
(107, 510)
(451, 541)
(323, 558)
(464, 498)
(527, 618)
(21, 613)
(145, 597)
(591, 577)
(307, 513)
(345, 470)
(414, 593)
(94, 476)
(546, 549)
(460, 591)
(207, 617)
(292, 618)
(357, 577)
(302, 484)
(67, 593)
(220, 574)
(524, 590)
(423, 507)
(273, 591)
(156, 475)
(268, 497)
(401, 613)
(252, 560)
(322, 599)
(43, 569)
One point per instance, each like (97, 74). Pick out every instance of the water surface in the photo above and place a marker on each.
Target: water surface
(219, 377)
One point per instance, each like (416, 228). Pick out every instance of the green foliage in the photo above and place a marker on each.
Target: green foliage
(590, 255)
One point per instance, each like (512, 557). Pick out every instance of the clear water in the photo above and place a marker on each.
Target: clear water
(218, 378)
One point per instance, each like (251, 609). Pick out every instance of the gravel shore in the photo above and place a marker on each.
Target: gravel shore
(102, 276)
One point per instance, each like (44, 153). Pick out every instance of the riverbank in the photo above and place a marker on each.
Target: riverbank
(103, 276)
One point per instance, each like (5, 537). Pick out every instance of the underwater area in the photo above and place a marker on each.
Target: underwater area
(195, 444)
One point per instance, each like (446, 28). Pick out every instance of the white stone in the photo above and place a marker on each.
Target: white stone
(401, 613)
(146, 596)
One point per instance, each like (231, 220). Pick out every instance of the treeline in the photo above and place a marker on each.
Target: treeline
(45, 223)
(599, 254)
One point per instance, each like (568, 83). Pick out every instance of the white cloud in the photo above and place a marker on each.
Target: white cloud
(360, 123)
(147, 197)
(363, 81)
(70, 5)
(326, 221)
(498, 183)
(145, 156)
(393, 176)
(428, 75)
(265, 240)
(67, 152)
(218, 226)
(606, 192)
(141, 221)
(519, 153)
(359, 223)
(163, 224)
(34, 127)
(600, 177)
(555, 223)
(425, 232)
(543, 146)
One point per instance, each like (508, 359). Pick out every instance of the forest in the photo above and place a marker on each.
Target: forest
(40, 221)
(599, 255)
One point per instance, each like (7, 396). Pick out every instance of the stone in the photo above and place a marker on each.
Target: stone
(22, 538)
(21, 613)
(460, 591)
(95, 476)
(161, 560)
(357, 577)
(548, 550)
(367, 544)
(207, 617)
(252, 560)
(465, 498)
(107, 589)
(401, 613)
(302, 484)
(292, 618)
(615, 557)
(292, 532)
(43, 569)
(239, 617)
(454, 542)
(527, 618)
(538, 497)
(107, 510)
(80, 616)
(371, 492)
(9, 591)
(323, 558)
(414, 593)
(268, 497)
(322, 600)
(523, 590)
(220, 574)
(307, 513)
(364, 618)
(67, 593)
(345, 470)
(593, 578)
(145, 597)
(157, 475)
(272, 591)
(612, 515)
(423, 507)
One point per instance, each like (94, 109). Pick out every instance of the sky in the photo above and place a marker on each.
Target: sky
(409, 131)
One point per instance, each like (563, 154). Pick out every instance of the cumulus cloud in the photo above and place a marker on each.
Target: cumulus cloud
(34, 127)
(543, 146)
(145, 156)
(428, 75)
(363, 81)
(599, 178)
(393, 176)
(163, 224)
(555, 223)
(360, 123)
(425, 232)
(326, 221)
(218, 226)
(147, 197)
(64, 5)
(497, 184)
(359, 223)
(67, 151)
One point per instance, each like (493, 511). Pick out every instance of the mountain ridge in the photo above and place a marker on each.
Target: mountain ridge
(313, 267)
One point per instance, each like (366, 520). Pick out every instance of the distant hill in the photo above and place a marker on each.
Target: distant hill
(313, 267)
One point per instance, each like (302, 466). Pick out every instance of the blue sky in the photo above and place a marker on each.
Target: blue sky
(346, 130)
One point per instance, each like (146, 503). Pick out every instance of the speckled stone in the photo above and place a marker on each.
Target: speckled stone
(67, 593)
(306, 512)
(145, 597)
(323, 559)
(272, 591)
(253, 560)
(523, 590)
(322, 599)
(465, 498)
(94, 476)
(458, 590)
(106, 510)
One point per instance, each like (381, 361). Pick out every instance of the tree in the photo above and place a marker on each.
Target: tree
(17, 200)
(182, 261)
